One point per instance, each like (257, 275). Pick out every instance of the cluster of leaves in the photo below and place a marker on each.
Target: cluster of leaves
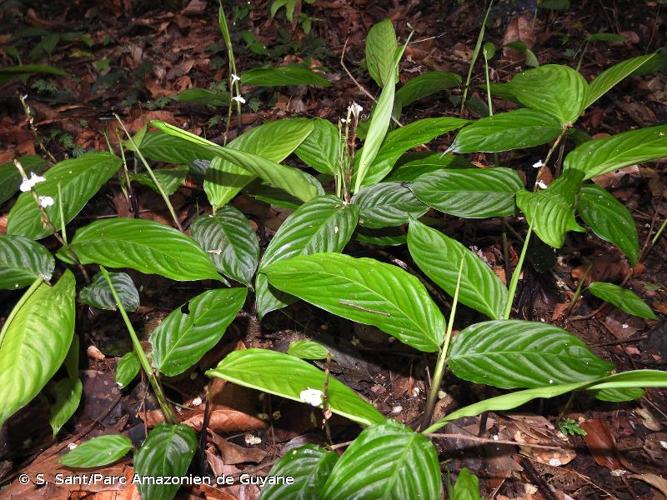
(371, 191)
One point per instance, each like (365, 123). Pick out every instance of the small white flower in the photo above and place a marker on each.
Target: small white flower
(312, 396)
(538, 164)
(235, 78)
(46, 201)
(343, 120)
(71, 446)
(196, 401)
(541, 184)
(28, 184)
(238, 98)
(251, 439)
(355, 109)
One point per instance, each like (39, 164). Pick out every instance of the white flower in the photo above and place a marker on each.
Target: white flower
(355, 109)
(541, 184)
(45, 201)
(238, 98)
(343, 120)
(235, 78)
(312, 397)
(538, 164)
(28, 184)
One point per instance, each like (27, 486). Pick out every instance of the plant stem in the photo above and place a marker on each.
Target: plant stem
(441, 364)
(659, 233)
(167, 411)
(577, 292)
(516, 274)
(475, 55)
(488, 85)
(232, 82)
(151, 174)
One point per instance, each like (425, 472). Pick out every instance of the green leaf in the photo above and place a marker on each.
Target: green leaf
(96, 452)
(184, 336)
(387, 204)
(610, 77)
(417, 165)
(407, 137)
(144, 245)
(288, 376)
(631, 379)
(510, 353)
(551, 212)
(34, 342)
(381, 46)
(466, 487)
(170, 179)
(620, 395)
(439, 257)
(68, 396)
(626, 300)
(600, 156)
(609, 219)
(307, 349)
(426, 85)
(474, 193)
(377, 128)
(22, 261)
(273, 141)
(203, 96)
(518, 129)
(13, 72)
(366, 291)
(283, 76)
(309, 466)
(167, 452)
(127, 369)
(386, 461)
(79, 179)
(98, 294)
(230, 241)
(10, 178)
(554, 89)
(324, 224)
(321, 149)
(387, 237)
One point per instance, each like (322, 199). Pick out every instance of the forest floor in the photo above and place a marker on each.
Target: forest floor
(135, 56)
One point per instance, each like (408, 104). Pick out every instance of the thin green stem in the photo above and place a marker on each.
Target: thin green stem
(516, 274)
(475, 55)
(151, 174)
(581, 56)
(61, 211)
(488, 85)
(441, 364)
(577, 292)
(232, 74)
(167, 410)
(659, 233)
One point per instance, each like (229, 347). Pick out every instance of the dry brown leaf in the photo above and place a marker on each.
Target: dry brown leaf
(520, 29)
(226, 421)
(658, 482)
(601, 444)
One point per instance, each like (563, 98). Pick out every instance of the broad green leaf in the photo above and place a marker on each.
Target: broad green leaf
(551, 212)
(387, 237)
(24, 70)
(167, 452)
(417, 165)
(554, 89)
(144, 245)
(67, 393)
(439, 257)
(400, 140)
(512, 354)
(518, 129)
(127, 369)
(321, 149)
(34, 342)
(272, 196)
(386, 461)
(79, 179)
(473, 193)
(283, 76)
(378, 126)
(10, 178)
(366, 291)
(600, 156)
(184, 336)
(626, 300)
(381, 46)
(22, 261)
(324, 224)
(288, 376)
(98, 294)
(170, 179)
(307, 349)
(203, 96)
(466, 487)
(230, 241)
(273, 141)
(309, 466)
(609, 219)
(160, 146)
(620, 395)
(426, 85)
(387, 204)
(631, 379)
(98, 451)
(610, 77)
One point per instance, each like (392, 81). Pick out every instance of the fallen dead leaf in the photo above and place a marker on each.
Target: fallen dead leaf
(658, 482)
(226, 421)
(601, 444)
